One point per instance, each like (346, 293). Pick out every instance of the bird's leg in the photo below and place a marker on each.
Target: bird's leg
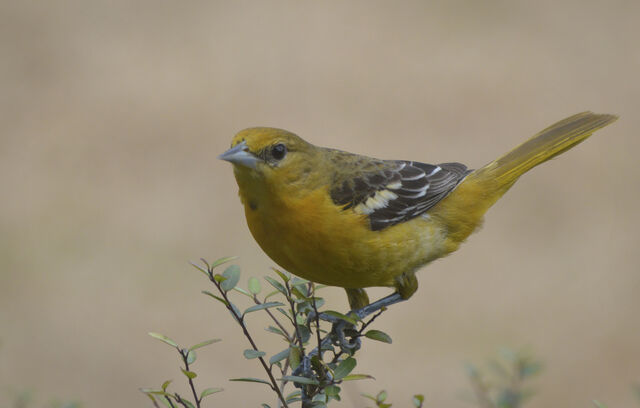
(406, 285)
(343, 333)
(379, 304)
(358, 298)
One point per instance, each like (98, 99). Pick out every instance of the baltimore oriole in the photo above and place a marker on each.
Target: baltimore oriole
(353, 221)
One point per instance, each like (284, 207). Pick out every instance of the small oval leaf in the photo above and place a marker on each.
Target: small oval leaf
(276, 285)
(209, 391)
(218, 298)
(285, 276)
(355, 377)
(254, 285)
(166, 384)
(191, 356)
(163, 339)
(203, 344)
(232, 275)
(190, 374)
(251, 379)
(300, 380)
(276, 331)
(250, 353)
(378, 335)
(279, 356)
(332, 390)
(344, 368)
(221, 261)
(262, 306)
(294, 357)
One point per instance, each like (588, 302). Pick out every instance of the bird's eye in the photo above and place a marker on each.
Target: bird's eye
(278, 151)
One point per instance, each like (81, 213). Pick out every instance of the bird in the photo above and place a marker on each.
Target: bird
(348, 220)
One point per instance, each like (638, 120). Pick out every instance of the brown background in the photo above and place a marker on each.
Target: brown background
(111, 118)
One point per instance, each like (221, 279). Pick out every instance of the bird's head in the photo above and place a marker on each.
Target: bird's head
(269, 153)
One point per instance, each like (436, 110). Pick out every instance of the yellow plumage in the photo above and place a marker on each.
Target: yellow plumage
(292, 211)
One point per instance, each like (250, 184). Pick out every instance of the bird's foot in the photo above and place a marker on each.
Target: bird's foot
(378, 305)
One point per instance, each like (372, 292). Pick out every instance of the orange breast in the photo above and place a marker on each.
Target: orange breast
(317, 240)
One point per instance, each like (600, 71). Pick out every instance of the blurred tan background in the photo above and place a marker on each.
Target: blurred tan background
(111, 118)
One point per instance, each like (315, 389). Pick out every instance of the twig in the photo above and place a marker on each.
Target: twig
(317, 318)
(293, 315)
(240, 320)
(276, 321)
(185, 353)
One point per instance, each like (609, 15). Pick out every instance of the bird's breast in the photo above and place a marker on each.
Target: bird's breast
(315, 239)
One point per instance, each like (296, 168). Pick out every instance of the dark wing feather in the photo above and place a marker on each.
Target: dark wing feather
(390, 192)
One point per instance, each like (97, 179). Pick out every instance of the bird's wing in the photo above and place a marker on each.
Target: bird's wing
(392, 191)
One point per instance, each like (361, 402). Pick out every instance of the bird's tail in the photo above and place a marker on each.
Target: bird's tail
(483, 187)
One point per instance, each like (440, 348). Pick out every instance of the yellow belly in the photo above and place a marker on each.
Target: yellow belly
(317, 240)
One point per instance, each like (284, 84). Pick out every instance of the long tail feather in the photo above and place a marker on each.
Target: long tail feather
(462, 211)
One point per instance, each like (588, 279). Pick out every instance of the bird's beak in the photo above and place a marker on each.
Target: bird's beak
(240, 154)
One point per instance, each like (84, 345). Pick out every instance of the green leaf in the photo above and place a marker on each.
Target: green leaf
(300, 380)
(163, 339)
(279, 356)
(355, 377)
(209, 391)
(190, 374)
(332, 390)
(382, 396)
(251, 379)
(206, 292)
(200, 268)
(299, 281)
(188, 403)
(250, 353)
(298, 293)
(276, 285)
(272, 293)
(162, 393)
(341, 316)
(294, 357)
(263, 405)
(151, 397)
(262, 306)
(319, 302)
(369, 396)
(599, 404)
(275, 330)
(244, 292)
(254, 285)
(166, 384)
(305, 333)
(378, 335)
(285, 276)
(418, 400)
(191, 356)
(203, 344)
(222, 261)
(166, 402)
(232, 275)
(286, 314)
(344, 368)
(293, 394)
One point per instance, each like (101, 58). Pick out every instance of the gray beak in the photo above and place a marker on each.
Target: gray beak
(240, 154)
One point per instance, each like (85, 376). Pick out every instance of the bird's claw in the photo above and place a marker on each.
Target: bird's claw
(344, 335)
